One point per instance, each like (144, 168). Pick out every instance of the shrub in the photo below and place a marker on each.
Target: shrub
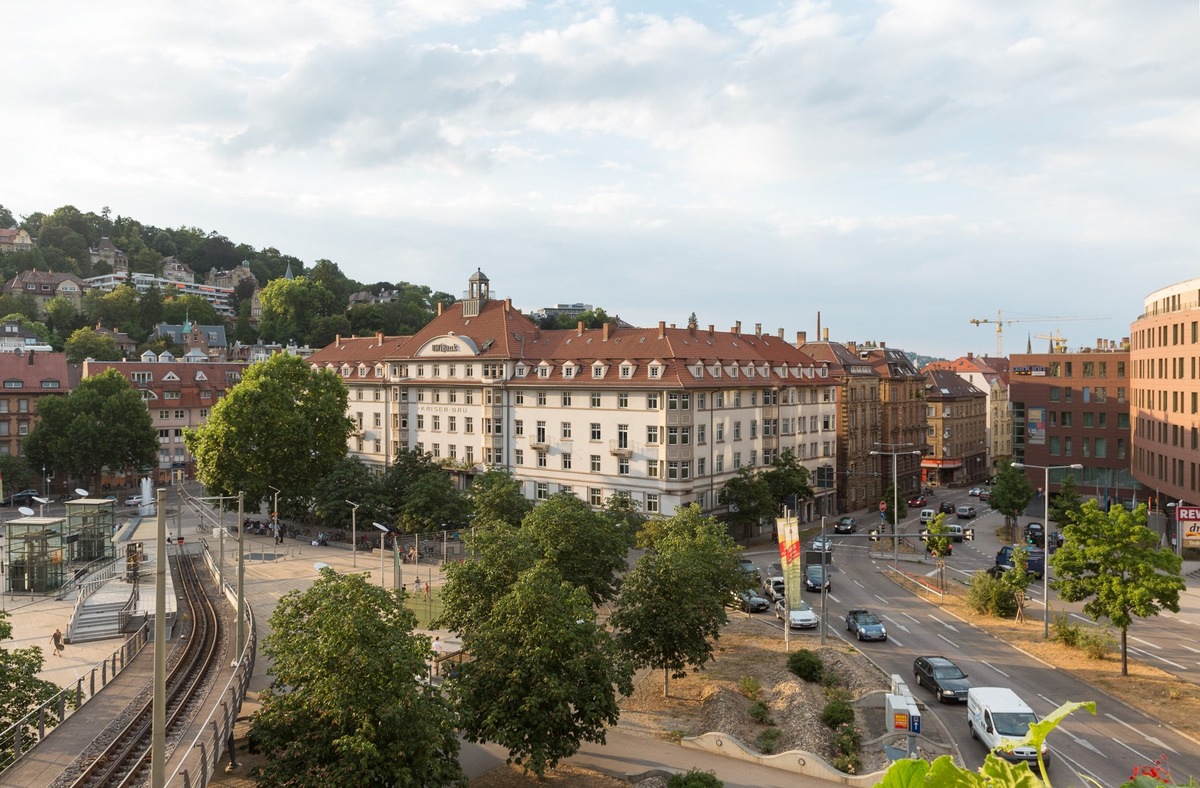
(837, 713)
(846, 764)
(760, 712)
(847, 740)
(1096, 643)
(806, 664)
(989, 595)
(750, 687)
(768, 739)
(838, 693)
(695, 779)
(1065, 631)
(830, 679)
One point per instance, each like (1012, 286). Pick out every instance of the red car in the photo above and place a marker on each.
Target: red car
(918, 500)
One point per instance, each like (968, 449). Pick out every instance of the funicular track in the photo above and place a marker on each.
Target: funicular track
(120, 756)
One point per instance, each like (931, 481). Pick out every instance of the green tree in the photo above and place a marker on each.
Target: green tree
(103, 423)
(749, 499)
(1067, 506)
(431, 501)
(86, 343)
(580, 543)
(1112, 560)
(62, 316)
(625, 514)
(190, 308)
(347, 704)
(284, 425)
(118, 309)
(407, 467)
(937, 536)
(17, 475)
(544, 675)
(472, 588)
(7, 220)
(20, 688)
(1011, 493)
(290, 307)
(150, 311)
(787, 477)
(496, 499)
(897, 505)
(350, 479)
(672, 604)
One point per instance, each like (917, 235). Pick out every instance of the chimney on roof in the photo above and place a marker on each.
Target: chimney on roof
(882, 345)
(710, 329)
(692, 327)
(662, 329)
(758, 329)
(781, 333)
(379, 337)
(672, 325)
(440, 305)
(737, 328)
(852, 346)
(604, 334)
(826, 334)
(337, 340)
(579, 329)
(508, 305)
(801, 338)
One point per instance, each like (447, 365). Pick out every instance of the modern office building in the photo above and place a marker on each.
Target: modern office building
(1073, 407)
(666, 414)
(1164, 386)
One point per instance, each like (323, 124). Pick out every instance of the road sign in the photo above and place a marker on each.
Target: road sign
(883, 506)
(969, 534)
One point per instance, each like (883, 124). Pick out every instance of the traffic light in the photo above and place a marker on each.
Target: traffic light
(969, 534)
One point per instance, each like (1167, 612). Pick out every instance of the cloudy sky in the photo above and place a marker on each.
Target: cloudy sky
(891, 168)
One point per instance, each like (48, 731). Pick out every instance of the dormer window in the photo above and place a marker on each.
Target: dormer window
(626, 370)
(543, 371)
(655, 371)
(597, 371)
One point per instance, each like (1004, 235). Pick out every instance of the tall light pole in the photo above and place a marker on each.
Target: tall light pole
(275, 511)
(895, 495)
(241, 579)
(353, 533)
(395, 557)
(1046, 538)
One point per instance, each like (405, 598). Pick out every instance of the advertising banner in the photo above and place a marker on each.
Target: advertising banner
(1189, 525)
(1035, 426)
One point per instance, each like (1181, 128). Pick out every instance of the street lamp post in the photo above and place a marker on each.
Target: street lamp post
(353, 533)
(395, 557)
(895, 497)
(1046, 538)
(275, 512)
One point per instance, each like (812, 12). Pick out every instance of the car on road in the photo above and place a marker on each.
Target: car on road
(822, 545)
(918, 501)
(749, 570)
(846, 525)
(775, 569)
(773, 588)
(945, 507)
(133, 500)
(996, 714)
(943, 677)
(1035, 534)
(1035, 560)
(865, 625)
(21, 498)
(800, 617)
(749, 602)
(813, 578)
(927, 516)
(985, 495)
(965, 512)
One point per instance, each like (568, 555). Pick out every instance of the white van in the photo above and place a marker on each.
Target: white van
(927, 516)
(996, 715)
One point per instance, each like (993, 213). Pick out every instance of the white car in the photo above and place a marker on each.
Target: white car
(822, 545)
(773, 588)
(133, 500)
(802, 617)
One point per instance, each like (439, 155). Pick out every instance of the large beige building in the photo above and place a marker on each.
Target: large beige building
(666, 414)
(1164, 386)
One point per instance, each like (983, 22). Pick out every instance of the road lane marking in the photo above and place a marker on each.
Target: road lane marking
(1146, 642)
(1082, 618)
(834, 599)
(1189, 648)
(1081, 742)
(948, 640)
(858, 582)
(1144, 758)
(1150, 739)
(897, 623)
(897, 642)
(914, 620)
(881, 599)
(1155, 656)
(993, 667)
(1077, 767)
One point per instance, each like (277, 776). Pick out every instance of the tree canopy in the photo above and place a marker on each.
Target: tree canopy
(86, 343)
(348, 704)
(20, 688)
(1011, 493)
(748, 496)
(1112, 560)
(103, 423)
(282, 425)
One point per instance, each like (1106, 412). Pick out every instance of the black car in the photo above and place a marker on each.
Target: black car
(812, 578)
(23, 498)
(846, 525)
(945, 507)
(1035, 534)
(946, 679)
(749, 602)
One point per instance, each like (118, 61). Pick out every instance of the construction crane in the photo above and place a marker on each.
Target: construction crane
(1001, 321)
(1058, 343)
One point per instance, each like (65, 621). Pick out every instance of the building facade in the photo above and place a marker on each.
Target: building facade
(43, 286)
(219, 297)
(989, 375)
(901, 419)
(28, 377)
(1164, 386)
(1073, 407)
(667, 415)
(956, 412)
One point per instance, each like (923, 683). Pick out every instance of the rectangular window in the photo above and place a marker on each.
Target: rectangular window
(451, 423)
(541, 398)
(518, 427)
(519, 398)
(652, 469)
(652, 434)
(622, 400)
(652, 503)
(720, 437)
(541, 459)
(595, 401)
(518, 457)
(540, 437)
(595, 497)
(737, 431)
(700, 466)
(652, 401)
(543, 491)
(1055, 445)
(435, 422)
(1100, 447)
(468, 425)
(566, 430)
(595, 431)
(566, 399)
(701, 433)
(719, 464)
(595, 463)
(737, 460)
(623, 466)
(1055, 394)
(566, 461)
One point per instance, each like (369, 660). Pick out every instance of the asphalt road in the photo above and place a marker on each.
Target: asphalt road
(1104, 747)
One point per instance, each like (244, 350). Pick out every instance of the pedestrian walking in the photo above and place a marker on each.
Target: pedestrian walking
(427, 591)
(57, 640)
(437, 654)
(416, 587)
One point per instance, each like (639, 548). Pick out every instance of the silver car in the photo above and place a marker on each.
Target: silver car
(801, 617)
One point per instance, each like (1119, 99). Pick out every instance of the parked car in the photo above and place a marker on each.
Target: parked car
(943, 677)
(965, 512)
(800, 617)
(846, 525)
(945, 507)
(918, 500)
(775, 569)
(749, 602)
(813, 578)
(22, 498)
(865, 625)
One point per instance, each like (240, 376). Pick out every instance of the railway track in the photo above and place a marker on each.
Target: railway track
(120, 756)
